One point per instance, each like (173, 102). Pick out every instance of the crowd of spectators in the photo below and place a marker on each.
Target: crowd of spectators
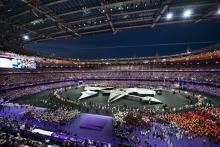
(203, 89)
(8, 139)
(12, 80)
(16, 82)
(15, 93)
(14, 133)
(207, 54)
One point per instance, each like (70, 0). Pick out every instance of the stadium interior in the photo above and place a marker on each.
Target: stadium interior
(160, 101)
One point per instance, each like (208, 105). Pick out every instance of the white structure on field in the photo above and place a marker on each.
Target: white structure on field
(119, 93)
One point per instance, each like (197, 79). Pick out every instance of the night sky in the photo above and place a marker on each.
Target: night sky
(164, 40)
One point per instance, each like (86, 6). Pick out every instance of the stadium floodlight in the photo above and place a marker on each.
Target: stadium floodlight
(25, 37)
(169, 16)
(187, 13)
(218, 12)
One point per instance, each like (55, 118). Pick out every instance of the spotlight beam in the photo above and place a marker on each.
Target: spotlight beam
(187, 13)
(25, 37)
(169, 16)
(218, 12)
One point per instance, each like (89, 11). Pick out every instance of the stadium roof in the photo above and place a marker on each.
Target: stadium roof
(51, 19)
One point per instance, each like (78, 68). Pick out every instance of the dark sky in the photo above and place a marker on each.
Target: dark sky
(165, 40)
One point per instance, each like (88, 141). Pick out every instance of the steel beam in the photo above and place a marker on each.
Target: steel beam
(132, 27)
(47, 4)
(52, 17)
(163, 9)
(100, 17)
(111, 5)
(207, 14)
(108, 17)
(25, 29)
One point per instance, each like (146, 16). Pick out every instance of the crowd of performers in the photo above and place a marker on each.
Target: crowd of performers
(60, 115)
(201, 124)
(198, 121)
(107, 109)
(201, 120)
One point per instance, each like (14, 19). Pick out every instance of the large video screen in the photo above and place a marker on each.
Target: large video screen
(10, 60)
(5, 63)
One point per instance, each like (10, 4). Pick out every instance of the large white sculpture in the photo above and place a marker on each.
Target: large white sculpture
(119, 93)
